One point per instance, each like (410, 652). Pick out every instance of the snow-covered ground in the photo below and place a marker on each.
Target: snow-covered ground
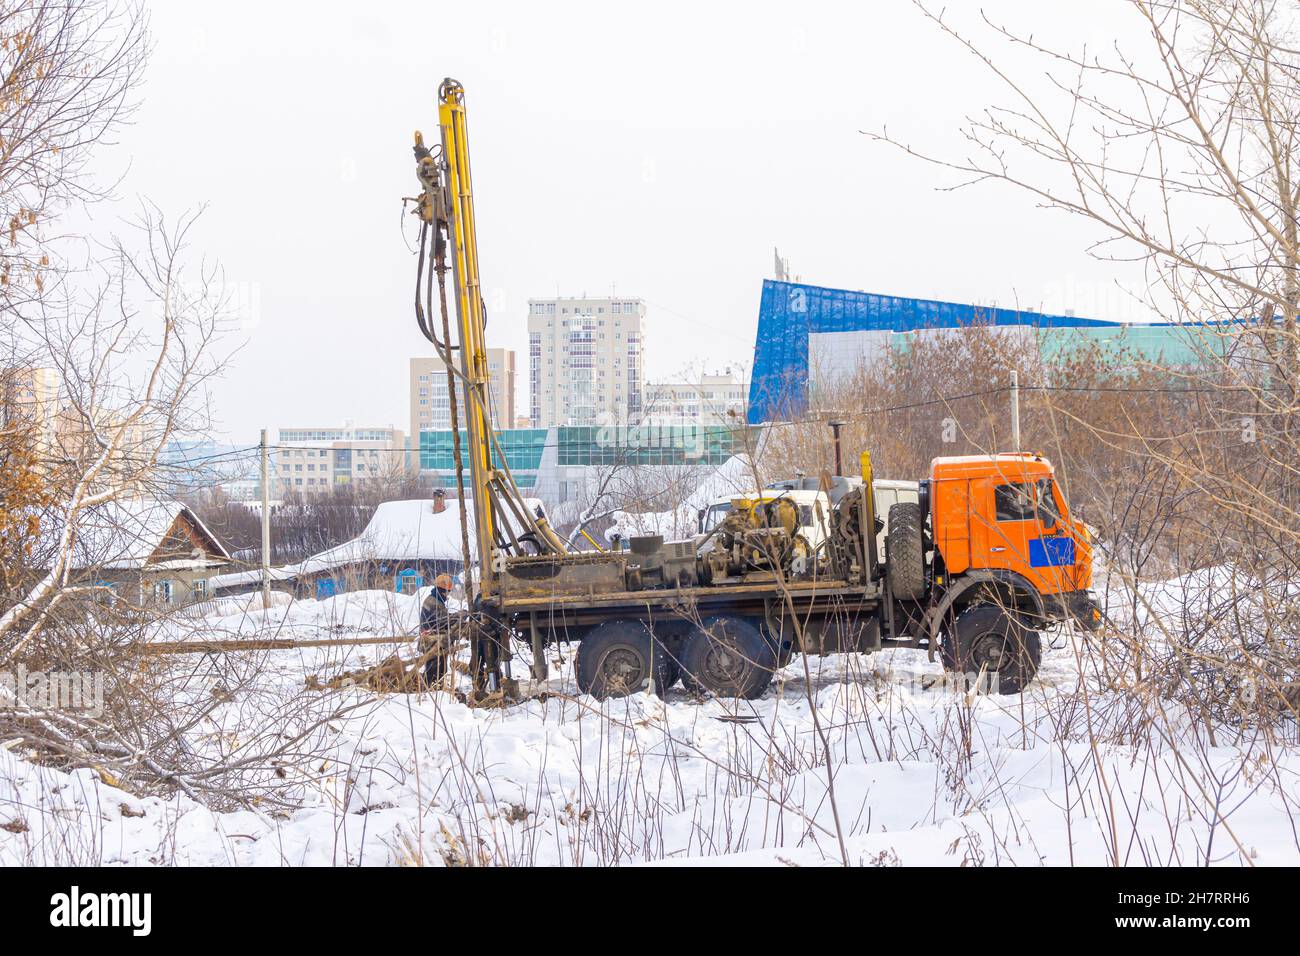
(918, 772)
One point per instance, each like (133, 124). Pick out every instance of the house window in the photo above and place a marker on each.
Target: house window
(162, 592)
(409, 581)
(105, 593)
(199, 589)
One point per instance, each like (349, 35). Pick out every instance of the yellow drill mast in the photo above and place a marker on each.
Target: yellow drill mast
(470, 314)
(503, 522)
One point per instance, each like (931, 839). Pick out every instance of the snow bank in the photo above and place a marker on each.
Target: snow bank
(922, 774)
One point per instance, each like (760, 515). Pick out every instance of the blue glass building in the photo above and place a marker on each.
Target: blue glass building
(790, 311)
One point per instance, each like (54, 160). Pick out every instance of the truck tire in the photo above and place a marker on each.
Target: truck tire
(905, 551)
(615, 658)
(689, 685)
(989, 638)
(728, 657)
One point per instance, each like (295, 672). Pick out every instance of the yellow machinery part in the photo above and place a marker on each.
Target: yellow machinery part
(471, 318)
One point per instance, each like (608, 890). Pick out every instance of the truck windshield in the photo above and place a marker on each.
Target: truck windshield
(806, 518)
(1049, 515)
(714, 515)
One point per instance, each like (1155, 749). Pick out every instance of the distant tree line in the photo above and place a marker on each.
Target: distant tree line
(301, 525)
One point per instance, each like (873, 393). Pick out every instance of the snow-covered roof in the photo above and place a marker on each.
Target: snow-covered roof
(399, 531)
(123, 534)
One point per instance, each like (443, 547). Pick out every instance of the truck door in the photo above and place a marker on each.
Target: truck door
(1027, 534)
(1054, 552)
(1004, 541)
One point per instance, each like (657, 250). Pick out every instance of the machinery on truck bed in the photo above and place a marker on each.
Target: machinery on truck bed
(815, 505)
(972, 570)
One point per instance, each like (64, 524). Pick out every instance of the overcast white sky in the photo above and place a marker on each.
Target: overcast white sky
(662, 150)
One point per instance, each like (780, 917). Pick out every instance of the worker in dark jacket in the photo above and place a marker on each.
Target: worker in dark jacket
(435, 618)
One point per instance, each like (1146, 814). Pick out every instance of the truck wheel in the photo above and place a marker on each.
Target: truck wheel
(905, 551)
(987, 637)
(614, 660)
(689, 683)
(728, 657)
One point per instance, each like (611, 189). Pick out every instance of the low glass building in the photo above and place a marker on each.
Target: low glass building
(555, 463)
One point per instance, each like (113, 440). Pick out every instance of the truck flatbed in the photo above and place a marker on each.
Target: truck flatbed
(800, 591)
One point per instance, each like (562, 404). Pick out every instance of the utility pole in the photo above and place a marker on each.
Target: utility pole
(266, 525)
(836, 425)
(1015, 410)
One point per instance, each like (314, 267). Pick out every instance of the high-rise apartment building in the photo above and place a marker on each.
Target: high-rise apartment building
(429, 406)
(30, 395)
(67, 434)
(584, 361)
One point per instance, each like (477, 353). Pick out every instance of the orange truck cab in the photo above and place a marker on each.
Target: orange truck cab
(1006, 512)
(1007, 559)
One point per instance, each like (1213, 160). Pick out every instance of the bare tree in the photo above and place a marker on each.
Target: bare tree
(1179, 144)
(130, 385)
(302, 525)
(636, 486)
(68, 76)
(125, 333)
